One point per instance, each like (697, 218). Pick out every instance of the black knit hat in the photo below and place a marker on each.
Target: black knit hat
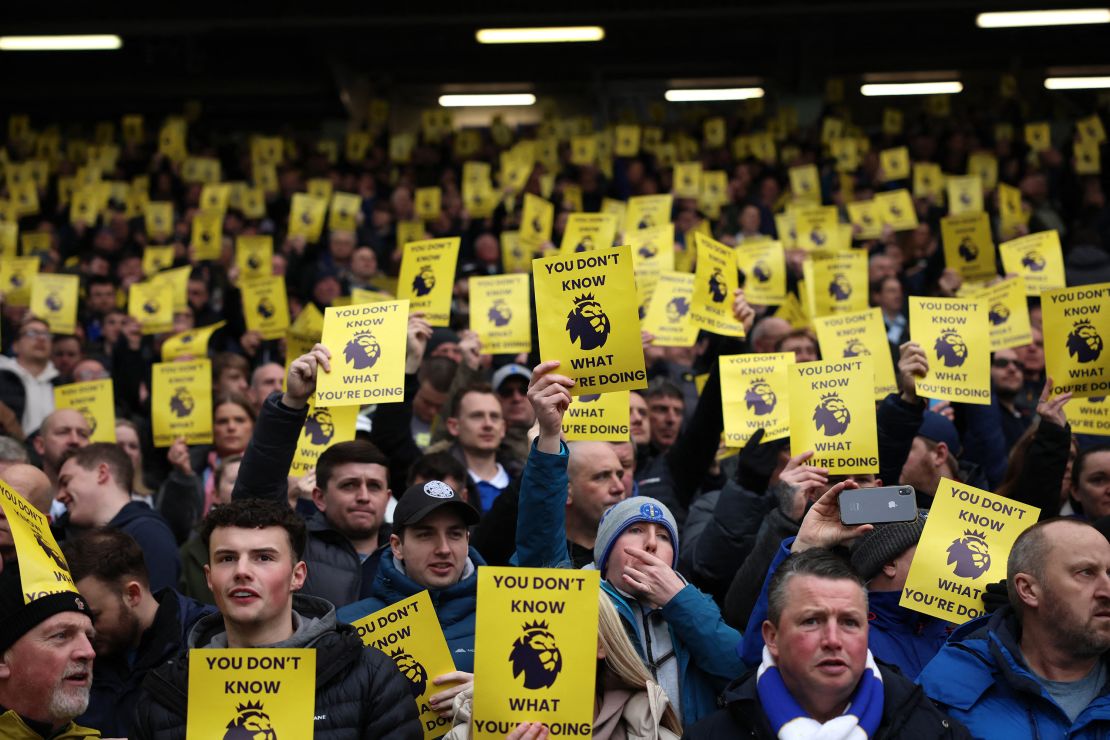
(18, 618)
(884, 543)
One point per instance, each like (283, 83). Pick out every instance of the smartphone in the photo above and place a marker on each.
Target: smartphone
(878, 505)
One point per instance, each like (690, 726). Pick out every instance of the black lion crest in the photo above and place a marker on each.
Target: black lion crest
(831, 415)
(970, 555)
(840, 287)
(762, 271)
(817, 236)
(648, 251)
(424, 281)
(855, 348)
(536, 655)
(16, 280)
(499, 313)
(319, 427)
(717, 286)
(1084, 342)
(182, 402)
(587, 323)
(266, 308)
(585, 245)
(151, 306)
(951, 348)
(646, 222)
(588, 397)
(1033, 261)
(254, 261)
(412, 670)
(251, 723)
(51, 552)
(760, 397)
(968, 249)
(999, 313)
(677, 307)
(89, 419)
(54, 302)
(363, 351)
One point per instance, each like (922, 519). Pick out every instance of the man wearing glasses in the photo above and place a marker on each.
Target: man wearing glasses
(511, 384)
(34, 369)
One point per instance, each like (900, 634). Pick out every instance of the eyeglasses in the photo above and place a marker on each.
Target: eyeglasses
(508, 391)
(1002, 363)
(35, 334)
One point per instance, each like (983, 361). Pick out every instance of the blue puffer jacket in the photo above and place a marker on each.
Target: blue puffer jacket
(981, 679)
(454, 605)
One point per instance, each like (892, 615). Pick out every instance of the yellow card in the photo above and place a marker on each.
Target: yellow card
(175, 284)
(181, 402)
(985, 165)
(1089, 416)
(158, 218)
(715, 282)
(713, 190)
(805, 183)
(323, 427)
(1090, 129)
(965, 194)
(54, 300)
(754, 395)
(627, 141)
(964, 546)
(193, 343)
(645, 211)
(1038, 136)
(597, 417)
(1088, 159)
(816, 226)
(215, 196)
(148, 304)
(1037, 258)
(590, 320)
(306, 216)
(895, 163)
(42, 568)
(427, 203)
(536, 221)
(832, 412)
(787, 233)
(265, 307)
(896, 208)
(860, 334)
(251, 691)
(652, 248)
(1076, 326)
(1008, 314)
(343, 211)
(588, 231)
(515, 257)
(264, 177)
(86, 204)
(428, 277)
(837, 282)
(24, 197)
(866, 216)
(668, 314)
(687, 179)
(367, 344)
(535, 650)
(253, 255)
(500, 313)
(955, 335)
(968, 247)
(94, 400)
(928, 181)
(764, 268)
(207, 235)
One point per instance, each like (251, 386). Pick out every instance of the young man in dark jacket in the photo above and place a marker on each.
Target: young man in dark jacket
(359, 692)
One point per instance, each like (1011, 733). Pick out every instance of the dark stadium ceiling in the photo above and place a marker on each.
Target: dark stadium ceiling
(250, 59)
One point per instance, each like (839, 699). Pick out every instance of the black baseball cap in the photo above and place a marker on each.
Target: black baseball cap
(422, 499)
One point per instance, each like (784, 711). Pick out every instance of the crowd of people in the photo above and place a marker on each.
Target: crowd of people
(733, 599)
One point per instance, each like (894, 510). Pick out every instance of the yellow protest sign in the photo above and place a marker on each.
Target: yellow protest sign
(193, 343)
(892, 121)
(652, 248)
(645, 211)
(597, 417)
(715, 282)
(928, 181)
(968, 247)
(815, 226)
(583, 150)
(428, 277)
(42, 568)
(175, 283)
(805, 183)
(367, 344)
(668, 314)
(955, 335)
(587, 231)
(847, 154)
(859, 334)
(832, 412)
(965, 194)
(764, 267)
(754, 395)
(1038, 136)
(627, 141)
(343, 211)
(687, 179)
(964, 546)
(148, 304)
(865, 215)
(589, 320)
(9, 239)
(427, 203)
(249, 692)
(181, 402)
(985, 165)
(1076, 327)
(1090, 129)
(1037, 258)
(215, 196)
(1088, 160)
(896, 208)
(836, 282)
(253, 256)
(536, 221)
(895, 163)
(94, 400)
(500, 313)
(323, 427)
(207, 234)
(265, 307)
(54, 300)
(158, 219)
(306, 216)
(1089, 415)
(1011, 214)
(535, 649)
(515, 257)
(1008, 313)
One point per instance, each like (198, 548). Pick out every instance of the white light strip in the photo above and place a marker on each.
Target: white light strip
(911, 88)
(60, 43)
(479, 101)
(1031, 18)
(539, 35)
(711, 94)
(1077, 83)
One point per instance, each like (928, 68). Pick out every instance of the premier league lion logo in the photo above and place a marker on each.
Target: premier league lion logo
(970, 555)
(817, 236)
(968, 249)
(89, 419)
(1033, 261)
(363, 351)
(1084, 342)
(306, 218)
(855, 348)
(646, 222)
(54, 302)
(998, 314)
(951, 348)
(588, 397)
(585, 245)
(319, 427)
(51, 552)
(587, 323)
(840, 287)
(536, 655)
(182, 402)
(499, 313)
(151, 306)
(424, 281)
(761, 271)
(16, 280)
(253, 261)
(717, 285)
(266, 308)
(648, 251)
(677, 307)
(760, 397)
(412, 670)
(965, 197)
(831, 415)
(251, 723)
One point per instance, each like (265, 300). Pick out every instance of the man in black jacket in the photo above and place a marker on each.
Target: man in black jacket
(254, 571)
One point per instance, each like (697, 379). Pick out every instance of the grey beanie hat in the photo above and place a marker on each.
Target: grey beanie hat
(884, 543)
(620, 517)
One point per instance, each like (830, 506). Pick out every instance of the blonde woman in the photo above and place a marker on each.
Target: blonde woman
(628, 704)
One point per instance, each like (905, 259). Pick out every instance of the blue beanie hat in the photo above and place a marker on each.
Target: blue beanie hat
(623, 515)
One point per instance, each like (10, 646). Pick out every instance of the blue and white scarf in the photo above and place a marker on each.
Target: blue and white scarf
(789, 721)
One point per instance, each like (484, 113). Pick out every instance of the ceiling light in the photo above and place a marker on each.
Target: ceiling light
(477, 101)
(60, 43)
(1028, 18)
(709, 94)
(911, 88)
(1077, 83)
(539, 35)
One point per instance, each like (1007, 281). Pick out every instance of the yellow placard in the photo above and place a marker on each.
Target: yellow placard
(536, 221)
(356, 145)
(714, 131)
(964, 546)
(158, 219)
(583, 150)
(895, 163)
(428, 277)
(42, 567)
(1090, 129)
(253, 255)
(867, 217)
(24, 197)
(1089, 415)
(764, 268)
(836, 282)
(157, 258)
(1037, 258)
(265, 307)
(54, 300)
(645, 211)
(687, 179)
(500, 313)
(1076, 327)
(535, 649)
(1011, 214)
(965, 194)
(367, 344)
(860, 334)
(215, 196)
(175, 284)
(597, 417)
(306, 216)
(793, 311)
(755, 392)
(985, 165)
(892, 121)
(1038, 136)
(805, 183)
(515, 257)
(181, 402)
(816, 226)
(968, 247)
(427, 203)
(1088, 159)
(928, 181)
(627, 141)
(715, 283)
(150, 304)
(832, 412)
(94, 400)
(896, 208)
(251, 692)
(320, 188)
(847, 154)
(587, 231)
(652, 248)
(955, 336)
(1008, 314)
(668, 314)
(192, 343)
(589, 319)
(323, 427)
(343, 211)
(207, 234)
